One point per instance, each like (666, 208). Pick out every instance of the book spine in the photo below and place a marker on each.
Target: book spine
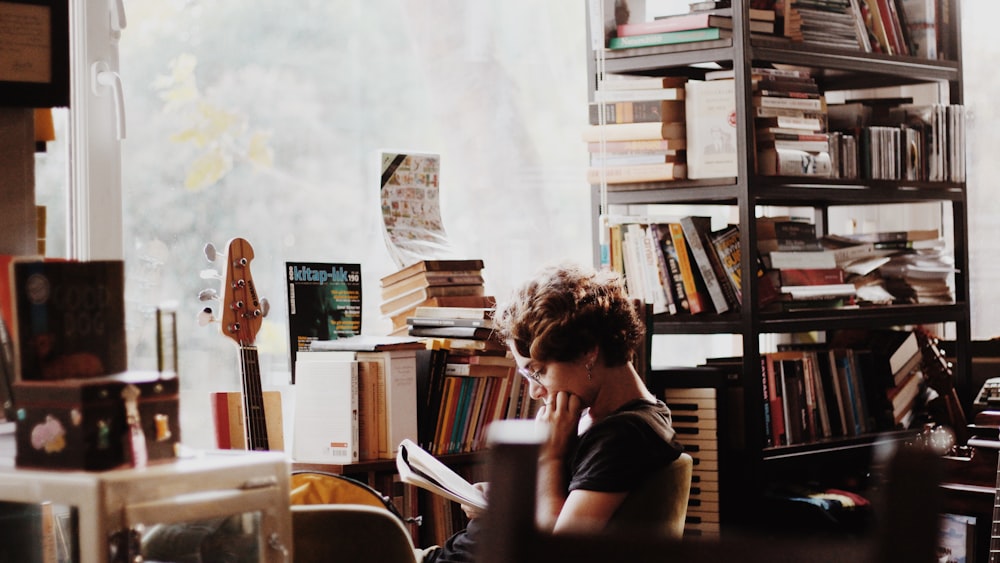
(694, 297)
(726, 246)
(636, 173)
(674, 271)
(694, 229)
(663, 268)
(665, 38)
(637, 111)
(766, 402)
(675, 23)
(653, 94)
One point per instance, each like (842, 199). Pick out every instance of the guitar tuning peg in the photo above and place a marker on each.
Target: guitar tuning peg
(210, 274)
(210, 252)
(265, 306)
(208, 294)
(206, 316)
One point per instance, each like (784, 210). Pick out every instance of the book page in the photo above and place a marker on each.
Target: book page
(411, 207)
(421, 469)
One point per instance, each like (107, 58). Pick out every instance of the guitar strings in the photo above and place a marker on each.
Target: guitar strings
(253, 400)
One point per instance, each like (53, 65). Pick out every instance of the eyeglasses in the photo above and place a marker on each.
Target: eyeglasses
(535, 376)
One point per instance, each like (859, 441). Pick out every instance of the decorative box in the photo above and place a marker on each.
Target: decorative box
(83, 423)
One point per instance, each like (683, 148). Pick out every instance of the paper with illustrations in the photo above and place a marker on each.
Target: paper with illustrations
(411, 211)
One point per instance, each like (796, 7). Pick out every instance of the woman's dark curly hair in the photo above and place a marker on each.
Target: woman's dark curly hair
(567, 311)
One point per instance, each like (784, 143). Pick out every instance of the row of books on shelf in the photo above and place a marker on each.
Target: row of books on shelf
(816, 392)
(358, 398)
(463, 394)
(879, 268)
(645, 129)
(893, 27)
(683, 266)
(680, 266)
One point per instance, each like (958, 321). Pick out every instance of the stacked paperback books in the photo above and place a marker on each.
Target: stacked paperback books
(454, 283)
(706, 21)
(790, 124)
(637, 130)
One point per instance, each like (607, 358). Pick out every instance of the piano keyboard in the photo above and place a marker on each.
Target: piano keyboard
(694, 412)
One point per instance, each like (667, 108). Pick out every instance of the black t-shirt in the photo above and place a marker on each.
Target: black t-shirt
(613, 455)
(624, 448)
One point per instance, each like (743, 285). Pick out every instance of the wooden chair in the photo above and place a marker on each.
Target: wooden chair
(659, 505)
(336, 518)
(358, 533)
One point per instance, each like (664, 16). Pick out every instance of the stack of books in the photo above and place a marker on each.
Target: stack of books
(832, 23)
(706, 21)
(641, 137)
(455, 283)
(790, 123)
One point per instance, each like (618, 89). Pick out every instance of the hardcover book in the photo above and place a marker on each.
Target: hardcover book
(326, 412)
(324, 303)
(711, 128)
(696, 231)
(431, 266)
(69, 319)
(726, 245)
(668, 38)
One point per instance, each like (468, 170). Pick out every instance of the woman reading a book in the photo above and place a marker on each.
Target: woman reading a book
(573, 333)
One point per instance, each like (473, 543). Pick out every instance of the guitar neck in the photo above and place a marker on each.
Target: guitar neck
(254, 416)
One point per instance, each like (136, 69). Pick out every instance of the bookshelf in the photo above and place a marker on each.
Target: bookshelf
(747, 193)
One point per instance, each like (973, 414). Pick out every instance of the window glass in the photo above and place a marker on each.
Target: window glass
(261, 120)
(980, 52)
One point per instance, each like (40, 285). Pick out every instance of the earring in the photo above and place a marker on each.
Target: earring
(590, 376)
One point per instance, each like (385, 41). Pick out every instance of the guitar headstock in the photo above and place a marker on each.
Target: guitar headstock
(242, 311)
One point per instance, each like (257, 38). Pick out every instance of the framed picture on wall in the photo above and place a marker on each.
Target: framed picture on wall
(34, 53)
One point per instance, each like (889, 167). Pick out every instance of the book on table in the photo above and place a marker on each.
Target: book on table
(421, 469)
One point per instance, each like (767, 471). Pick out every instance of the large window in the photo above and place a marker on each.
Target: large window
(262, 119)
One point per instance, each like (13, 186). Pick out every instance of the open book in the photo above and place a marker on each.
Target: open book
(419, 468)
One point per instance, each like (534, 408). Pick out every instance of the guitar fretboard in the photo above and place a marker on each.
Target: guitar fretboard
(253, 400)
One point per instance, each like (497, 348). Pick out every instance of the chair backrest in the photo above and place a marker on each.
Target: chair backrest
(659, 504)
(318, 487)
(324, 533)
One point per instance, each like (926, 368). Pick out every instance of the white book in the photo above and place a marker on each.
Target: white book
(786, 259)
(396, 395)
(791, 162)
(822, 290)
(421, 469)
(711, 128)
(638, 95)
(400, 396)
(326, 411)
(921, 24)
